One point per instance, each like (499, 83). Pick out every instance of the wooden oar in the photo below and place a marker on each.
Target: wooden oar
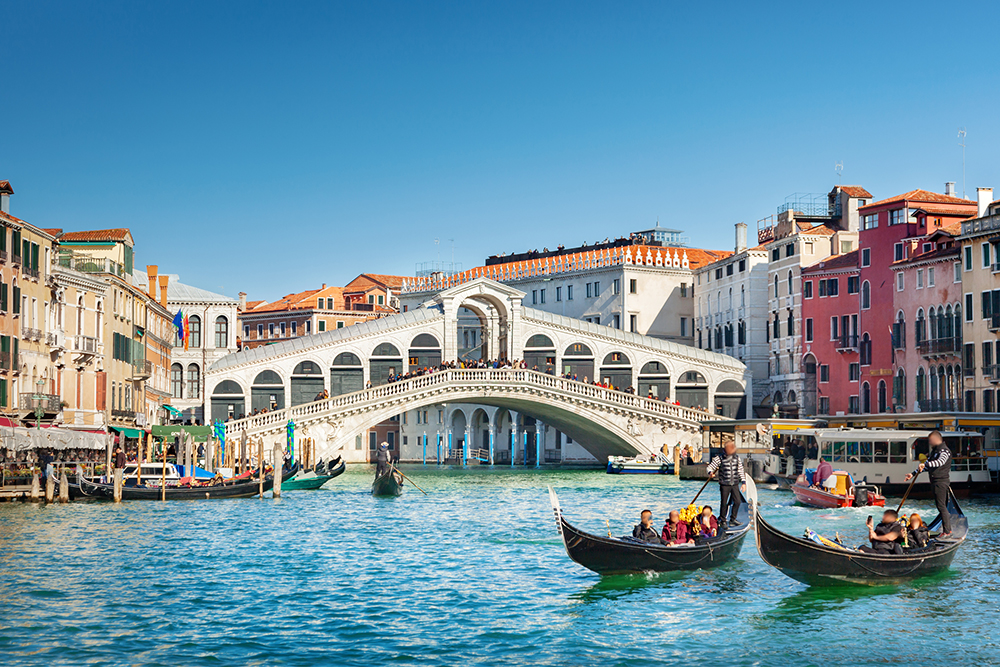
(410, 481)
(907, 494)
(700, 490)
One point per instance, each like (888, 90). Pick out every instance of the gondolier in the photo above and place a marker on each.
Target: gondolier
(938, 466)
(732, 482)
(382, 459)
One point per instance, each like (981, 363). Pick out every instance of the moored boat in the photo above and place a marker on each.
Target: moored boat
(845, 494)
(314, 479)
(813, 562)
(613, 555)
(389, 483)
(649, 465)
(240, 488)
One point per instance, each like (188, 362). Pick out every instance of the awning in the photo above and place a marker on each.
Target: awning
(172, 410)
(128, 432)
(200, 433)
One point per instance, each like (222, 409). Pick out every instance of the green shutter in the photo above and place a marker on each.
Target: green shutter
(128, 260)
(25, 251)
(3, 297)
(17, 300)
(34, 256)
(13, 356)
(3, 240)
(3, 393)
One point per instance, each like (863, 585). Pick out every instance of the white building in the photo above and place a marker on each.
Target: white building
(212, 322)
(730, 307)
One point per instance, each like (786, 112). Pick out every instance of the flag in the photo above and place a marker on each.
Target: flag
(179, 323)
(187, 332)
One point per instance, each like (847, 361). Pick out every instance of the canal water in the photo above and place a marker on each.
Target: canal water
(471, 573)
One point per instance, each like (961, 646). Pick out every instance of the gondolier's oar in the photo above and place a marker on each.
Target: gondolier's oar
(410, 481)
(907, 494)
(700, 490)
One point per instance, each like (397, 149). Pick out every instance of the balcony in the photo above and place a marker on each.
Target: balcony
(3, 255)
(28, 271)
(142, 369)
(991, 373)
(994, 322)
(88, 264)
(940, 347)
(123, 414)
(848, 343)
(941, 405)
(363, 307)
(84, 348)
(47, 402)
(30, 334)
(16, 258)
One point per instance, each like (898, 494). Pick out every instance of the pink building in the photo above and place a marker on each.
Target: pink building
(830, 301)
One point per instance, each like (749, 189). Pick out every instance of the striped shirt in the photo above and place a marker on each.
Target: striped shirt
(731, 470)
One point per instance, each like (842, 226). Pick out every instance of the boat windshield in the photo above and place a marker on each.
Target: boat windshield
(863, 451)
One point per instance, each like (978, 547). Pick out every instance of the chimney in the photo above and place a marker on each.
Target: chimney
(5, 192)
(949, 188)
(741, 236)
(151, 271)
(243, 301)
(985, 198)
(163, 290)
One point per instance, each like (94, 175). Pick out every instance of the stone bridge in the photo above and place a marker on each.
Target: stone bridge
(479, 319)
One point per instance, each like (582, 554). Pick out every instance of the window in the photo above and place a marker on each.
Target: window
(824, 405)
(743, 265)
(559, 294)
(176, 381)
(633, 287)
(319, 303)
(809, 329)
(808, 247)
(718, 273)
(729, 269)
(590, 291)
(824, 373)
(920, 278)
(854, 372)
(866, 296)
(968, 307)
(193, 381)
(381, 299)
(684, 289)
(834, 328)
(295, 328)
(986, 255)
(246, 331)
(896, 217)
(852, 284)
(534, 297)
(569, 292)
(846, 247)
(869, 221)
(775, 286)
(684, 325)
(957, 272)
(866, 257)
(775, 254)
(618, 322)
(854, 405)
(194, 327)
(270, 330)
(967, 250)
(631, 323)
(260, 331)
(807, 289)
(833, 287)
(969, 359)
(597, 288)
(789, 250)
(321, 325)
(899, 281)
(541, 296)
(930, 277)
(309, 325)
(281, 328)
(616, 286)
(371, 298)
(899, 254)
(340, 324)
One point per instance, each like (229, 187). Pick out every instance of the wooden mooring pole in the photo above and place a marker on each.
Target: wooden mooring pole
(278, 460)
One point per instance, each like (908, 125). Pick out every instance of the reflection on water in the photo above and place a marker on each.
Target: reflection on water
(474, 572)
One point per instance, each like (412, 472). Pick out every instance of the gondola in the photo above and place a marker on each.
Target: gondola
(813, 563)
(314, 479)
(242, 489)
(612, 555)
(389, 484)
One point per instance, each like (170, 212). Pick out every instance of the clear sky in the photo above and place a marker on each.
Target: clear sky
(271, 146)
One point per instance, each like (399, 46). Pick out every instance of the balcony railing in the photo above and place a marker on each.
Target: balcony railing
(363, 307)
(88, 264)
(123, 414)
(3, 255)
(27, 333)
(939, 346)
(28, 271)
(991, 373)
(142, 369)
(994, 324)
(941, 405)
(47, 402)
(848, 343)
(85, 344)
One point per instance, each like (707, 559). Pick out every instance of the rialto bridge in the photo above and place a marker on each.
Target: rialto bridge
(562, 357)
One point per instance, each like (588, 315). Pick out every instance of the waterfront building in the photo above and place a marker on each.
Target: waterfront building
(830, 298)
(212, 322)
(980, 263)
(730, 307)
(890, 230)
(805, 230)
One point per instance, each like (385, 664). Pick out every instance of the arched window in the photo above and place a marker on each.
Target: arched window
(221, 332)
(866, 398)
(193, 381)
(540, 340)
(194, 327)
(730, 298)
(920, 327)
(743, 296)
(921, 386)
(899, 389)
(385, 350)
(176, 381)
(866, 296)
(789, 282)
(881, 396)
(776, 286)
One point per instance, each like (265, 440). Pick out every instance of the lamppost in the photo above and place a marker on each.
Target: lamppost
(39, 397)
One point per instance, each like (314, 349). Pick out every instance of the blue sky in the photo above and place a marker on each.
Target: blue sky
(269, 147)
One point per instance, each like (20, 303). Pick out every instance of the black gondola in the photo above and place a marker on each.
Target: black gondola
(612, 555)
(242, 489)
(389, 484)
(813, 563)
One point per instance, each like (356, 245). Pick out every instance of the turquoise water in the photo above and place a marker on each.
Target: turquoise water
(472, 573)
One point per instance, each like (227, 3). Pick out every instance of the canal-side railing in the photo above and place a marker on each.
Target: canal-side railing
(463, 379)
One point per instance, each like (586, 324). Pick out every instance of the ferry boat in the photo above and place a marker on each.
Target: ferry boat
(649, 465)
(881, 457)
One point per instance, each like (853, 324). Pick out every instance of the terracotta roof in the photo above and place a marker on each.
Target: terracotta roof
(855, 191)
(53, 231)
(922, 197)
(12, 218)
(848, 260)
(5, 187)
(366, 280)
(954, 229)
(819, 230)
(940, 253)
(120, 234)
(300, 301)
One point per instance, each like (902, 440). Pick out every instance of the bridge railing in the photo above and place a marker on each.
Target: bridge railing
(464, 377)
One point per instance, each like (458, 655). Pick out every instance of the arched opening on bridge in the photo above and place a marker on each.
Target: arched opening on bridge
(307, 383)
(731, 400)
(228, 401)
(479, 434)
(267, 392)
(501, 448)
(346, 374)
(473, 334)
(654, 380)
(425, 352)
(692, 390)
(540, 354)
(578, 362)
(616, 370)
(457, 425)
(386, 360)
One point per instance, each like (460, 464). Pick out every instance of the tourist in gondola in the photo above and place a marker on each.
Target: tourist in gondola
(917, 532)
(938, 466)
(645, 531)
(382, 459)
(732, 483)
(676, 531)
(886, 537)
(705, 524)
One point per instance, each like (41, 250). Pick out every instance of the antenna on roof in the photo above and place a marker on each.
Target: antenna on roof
(839, 168)
(961, 142)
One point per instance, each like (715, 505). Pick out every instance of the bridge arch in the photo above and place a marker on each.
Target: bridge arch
(540, 353)
(306, 382)
(578, 362)
(654, 380)
(384, 362)
(267, 391)
(227, 401)
(347, 373)
(616, 370)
